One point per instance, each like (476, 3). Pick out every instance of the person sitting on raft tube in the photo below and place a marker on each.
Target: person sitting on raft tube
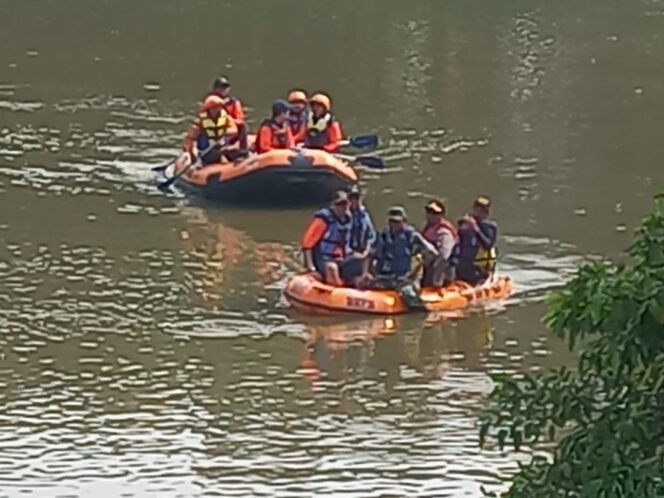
(362, 232)
(477, 244)
(326, 243)
(210, 132)
(394, 249)
(297, 118)
(233, 107)
(323, 130)
(442, 234)
(275, 133)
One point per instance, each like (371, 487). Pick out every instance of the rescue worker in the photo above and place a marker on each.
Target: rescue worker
(477, 244)
(233, 107)
(362, 235)
(393, 252)
(297, 118)
(210, 132)
(275, 133)
(326, 243)
(396, 245)
(442, 234)
(323, 130)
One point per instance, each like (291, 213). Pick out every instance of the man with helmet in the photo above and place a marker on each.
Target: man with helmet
(233, 107)
(323, 131)
(211, 132)
(297, 118)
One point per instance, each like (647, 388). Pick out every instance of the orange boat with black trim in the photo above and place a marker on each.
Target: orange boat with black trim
(308, 294)
(275, 177)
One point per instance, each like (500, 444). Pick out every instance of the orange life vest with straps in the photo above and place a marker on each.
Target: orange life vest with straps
(215, 129)
(430, 231)
(279, 133)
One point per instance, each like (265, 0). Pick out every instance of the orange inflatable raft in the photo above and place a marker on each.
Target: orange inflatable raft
(308, 294)
(275, 177)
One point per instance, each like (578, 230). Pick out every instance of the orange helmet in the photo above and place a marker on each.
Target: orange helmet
(212, 102)
(295, 96)
(322, 99)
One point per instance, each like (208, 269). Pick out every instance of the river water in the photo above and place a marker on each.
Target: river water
(144, 347)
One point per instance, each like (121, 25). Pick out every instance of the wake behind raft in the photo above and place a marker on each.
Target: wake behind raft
(308, 294)
(276, 177)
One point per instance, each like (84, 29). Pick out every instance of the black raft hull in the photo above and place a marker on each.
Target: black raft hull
(297, 179)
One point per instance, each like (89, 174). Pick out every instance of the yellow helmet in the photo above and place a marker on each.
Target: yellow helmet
(322, 99)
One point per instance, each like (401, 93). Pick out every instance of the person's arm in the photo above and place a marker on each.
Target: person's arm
(290, 139)
(312, 236)
(446, 243)
(191, 136)
(231, 128)
(264, 139)
(301, 134)
(424, 245)
(487, 235)
(238, 114)
(335, 137)
(370, 235)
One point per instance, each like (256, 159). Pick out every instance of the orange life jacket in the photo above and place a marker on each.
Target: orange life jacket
(429, 232)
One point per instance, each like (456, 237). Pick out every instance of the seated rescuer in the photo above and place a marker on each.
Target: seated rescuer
(362, 234)
(297, 117)
(233, 107)
(323, 130)
(326, 243)
(394, 249)
(477, 244)
(442, 234)
(275, 133)
(210, 132)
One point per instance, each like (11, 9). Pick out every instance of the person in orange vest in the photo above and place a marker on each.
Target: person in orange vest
(442, 234)
(275, 133)
(297, 118)
(323, 130)
(210, 132)
(233, 107)
(326, 244)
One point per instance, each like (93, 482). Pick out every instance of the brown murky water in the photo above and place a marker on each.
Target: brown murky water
(144, 349)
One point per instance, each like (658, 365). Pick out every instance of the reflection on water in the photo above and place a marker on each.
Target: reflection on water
(144, 348)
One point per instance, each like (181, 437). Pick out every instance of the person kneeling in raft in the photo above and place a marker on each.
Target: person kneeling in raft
(326, 244)
(211, 132)
(393, 253)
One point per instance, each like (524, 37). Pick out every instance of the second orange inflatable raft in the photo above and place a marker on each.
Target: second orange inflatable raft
(307, 293)
(275, 177)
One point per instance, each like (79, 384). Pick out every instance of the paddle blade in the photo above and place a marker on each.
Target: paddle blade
(364, 141)
(370, 162)
(165, 187)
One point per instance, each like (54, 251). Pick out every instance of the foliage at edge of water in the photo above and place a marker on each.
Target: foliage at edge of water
(606, 417)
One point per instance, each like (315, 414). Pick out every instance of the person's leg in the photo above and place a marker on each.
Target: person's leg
(242, 133)
(351, 270)
(332, 276)
(436, 272)
(467, 273)
(213, 156)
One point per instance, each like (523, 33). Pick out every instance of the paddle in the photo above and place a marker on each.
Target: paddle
(362, 142)
(163, 167)
(368, 161)
(166, 186)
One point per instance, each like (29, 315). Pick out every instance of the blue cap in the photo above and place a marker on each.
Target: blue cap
(280, 106)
